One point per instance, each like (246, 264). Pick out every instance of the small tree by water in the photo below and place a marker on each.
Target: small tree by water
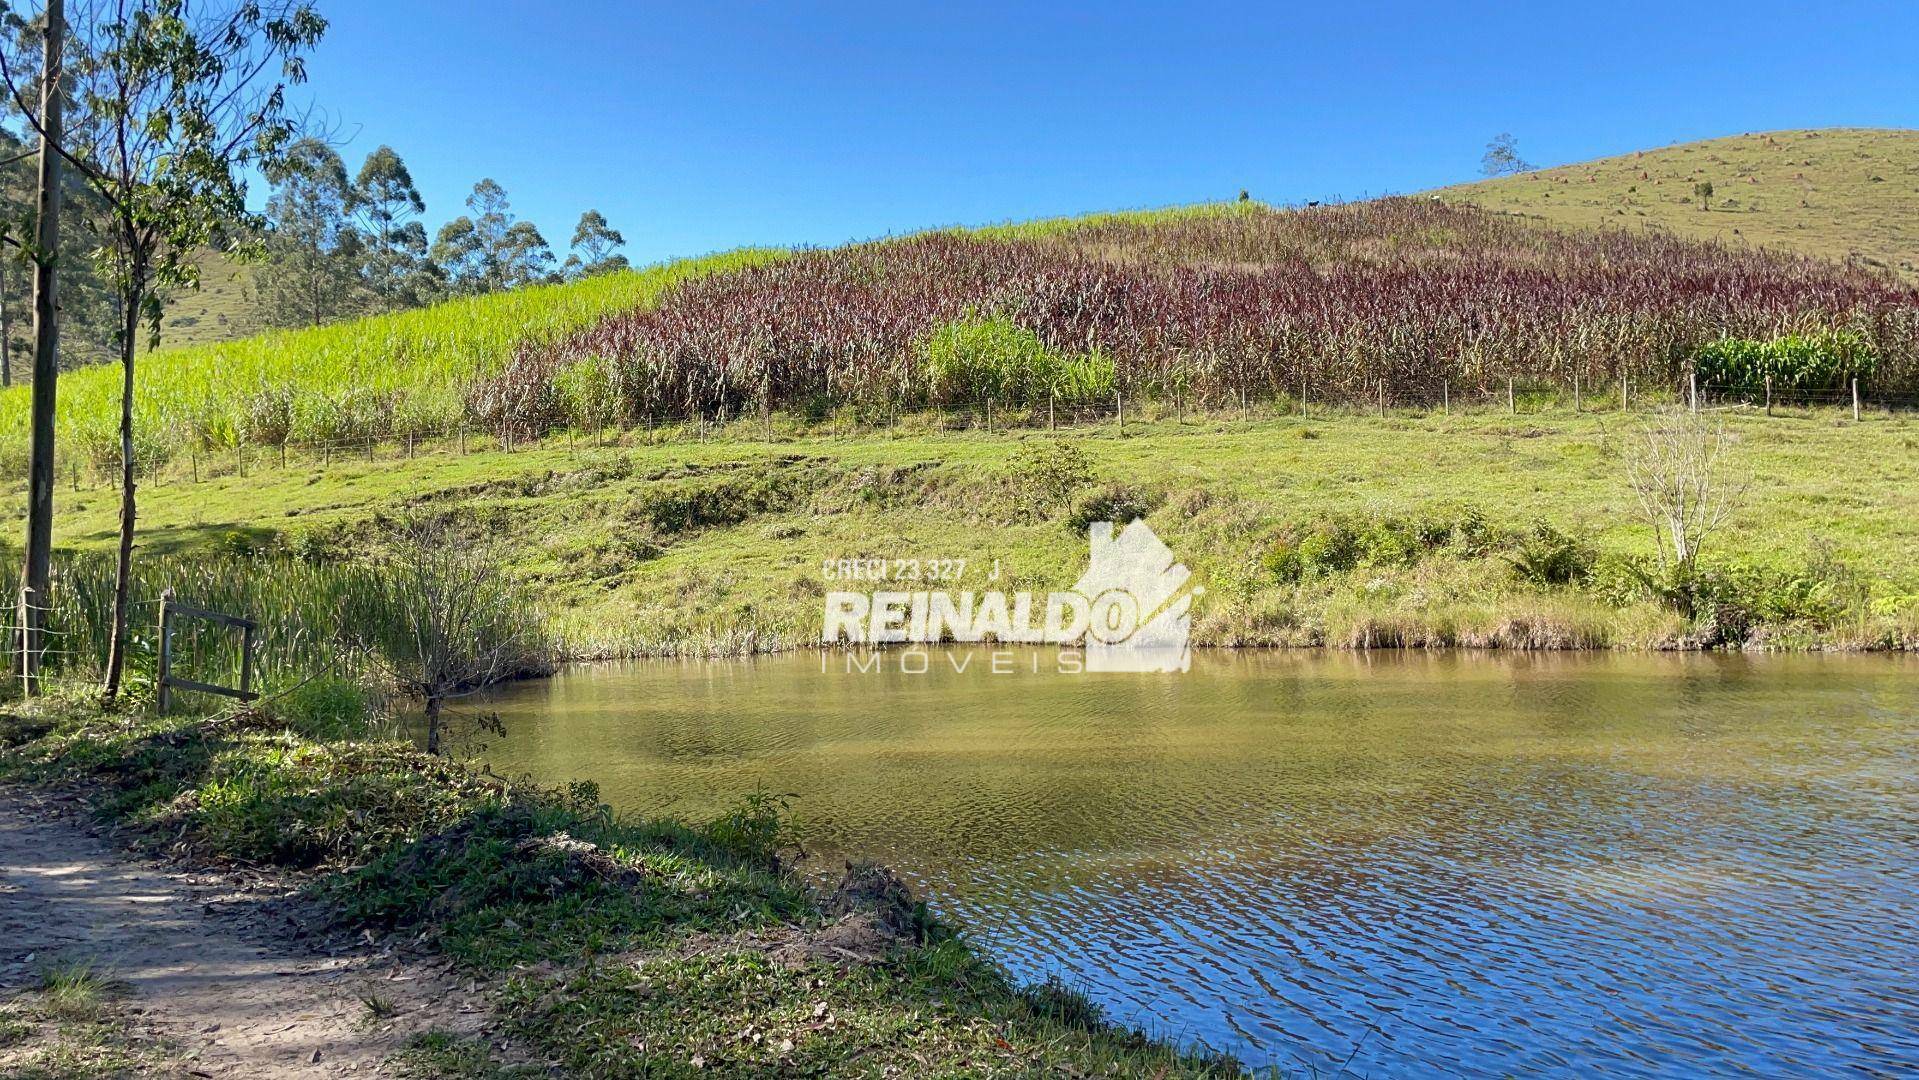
(1679, 467)
(444, 618)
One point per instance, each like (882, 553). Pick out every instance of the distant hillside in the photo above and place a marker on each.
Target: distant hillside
(1205, 303)
(1835, 192)
(219, 310)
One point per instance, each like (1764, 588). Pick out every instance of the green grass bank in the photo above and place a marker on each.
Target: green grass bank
(1342, 530)
(611, 946)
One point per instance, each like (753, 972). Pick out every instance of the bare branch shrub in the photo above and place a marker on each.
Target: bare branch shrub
(443, 617)
(1679, 467)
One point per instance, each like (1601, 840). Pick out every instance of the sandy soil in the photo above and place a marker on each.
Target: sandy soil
(232, 973)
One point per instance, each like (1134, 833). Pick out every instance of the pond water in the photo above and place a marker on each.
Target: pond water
(1400, 863)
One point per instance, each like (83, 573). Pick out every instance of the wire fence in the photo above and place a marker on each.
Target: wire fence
(744, 422)
(37, 655)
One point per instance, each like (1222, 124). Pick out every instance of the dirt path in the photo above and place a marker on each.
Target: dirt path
(229, 972)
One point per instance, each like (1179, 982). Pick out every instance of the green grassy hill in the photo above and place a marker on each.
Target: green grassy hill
(399, 372)
(1203, 304)
(1446, 521)
(1838, 193)
(219, 310)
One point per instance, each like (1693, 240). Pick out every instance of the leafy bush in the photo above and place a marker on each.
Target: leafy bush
(1823, 359)
(1546, 556)
(1338, 544)
(1117, 503)
(1329, 547)
(1048, 474)
(755, 826)
(326, 708)
(1823, 593)
(976, 359)
(1621, 580)
(330, 543)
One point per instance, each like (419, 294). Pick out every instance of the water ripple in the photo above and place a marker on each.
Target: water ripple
(1647, 866)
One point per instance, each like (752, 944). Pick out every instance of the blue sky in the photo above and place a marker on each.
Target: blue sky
(703, 126)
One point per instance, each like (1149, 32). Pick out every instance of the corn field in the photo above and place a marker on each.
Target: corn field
(1408, 298)
(390, 373)
(1327, 302)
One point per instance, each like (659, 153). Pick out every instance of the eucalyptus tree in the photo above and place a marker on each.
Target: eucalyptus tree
(593, 244)
(396, 269)
(85, 306)
(313, 275)
(171, 102)
(1502, 157)
(36, 567)
(489, 250)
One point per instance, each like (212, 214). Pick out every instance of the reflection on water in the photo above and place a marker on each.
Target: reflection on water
(1469, 862)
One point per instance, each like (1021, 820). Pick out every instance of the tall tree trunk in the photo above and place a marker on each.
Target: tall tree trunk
(123, 568)
(37, 568)
(433, 706)
(6, 331)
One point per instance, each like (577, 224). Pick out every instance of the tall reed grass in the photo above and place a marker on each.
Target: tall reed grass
(1204, 304)
(297, 606)
(1331, 302)
(364, 619)
(403, 372)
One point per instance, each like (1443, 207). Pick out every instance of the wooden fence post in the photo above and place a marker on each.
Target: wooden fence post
(164, 692)
(1119, 402)
(1242, 402)
(989, 415)
(1179, 410)
(1855, 400)
(1692, 382)
(1768, 395)
(1445, 396)
(246, 659)
(170, 612)
(29, 643)
(1622, 391)
(462, 440)
(1382, 398)
(1051, 423)
(1575, 393)
(1512, 403)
